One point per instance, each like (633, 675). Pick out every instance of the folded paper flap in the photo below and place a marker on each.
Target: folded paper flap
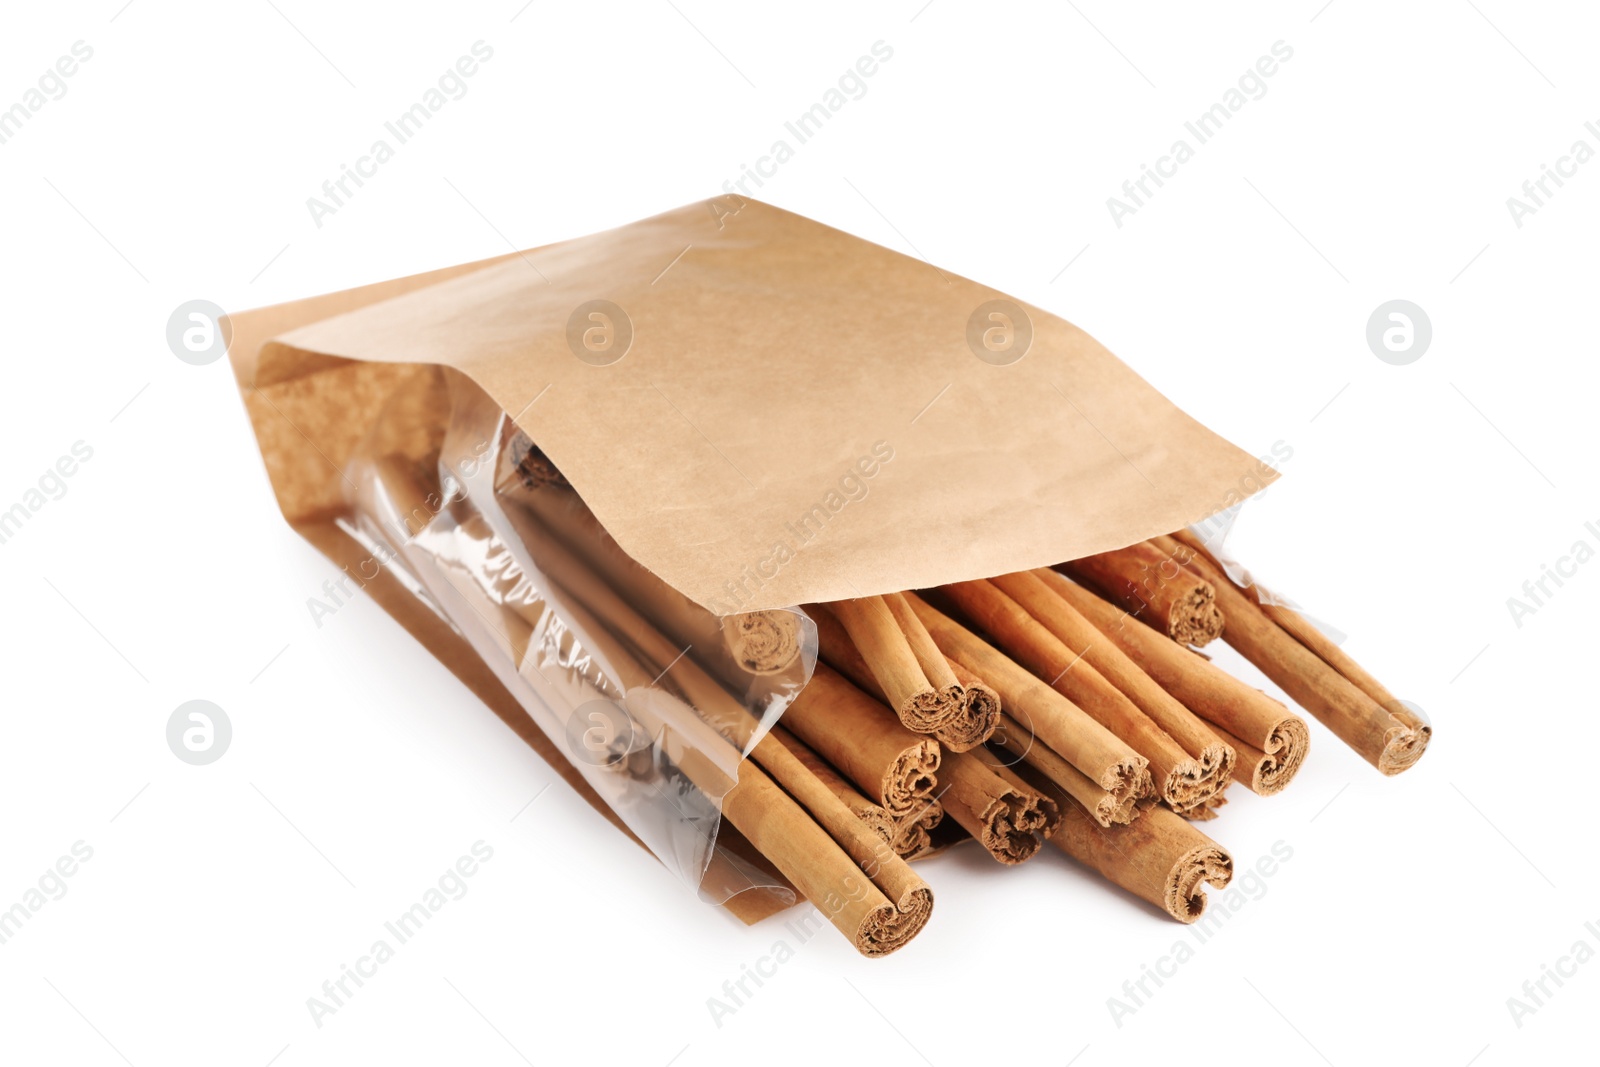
(768, 411)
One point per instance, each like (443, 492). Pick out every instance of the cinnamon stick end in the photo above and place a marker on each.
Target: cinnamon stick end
(1194, 782)
(1209, 864)
(888, 929)
(763, 642)
(1281, 761)
(1195, 618)
(911, 837)
(977, 723)
(1405, 742)
(931, 710)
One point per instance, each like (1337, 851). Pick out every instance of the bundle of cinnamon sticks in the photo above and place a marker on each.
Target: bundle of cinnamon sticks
(1064, 706)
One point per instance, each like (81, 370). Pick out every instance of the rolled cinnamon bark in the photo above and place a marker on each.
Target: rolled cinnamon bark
(820, 869)
(933, 663)
(1301, 629)
(1107, 808)
(1180, 778)
(974, 720)
(1120, 772)
(1214, 757)
(1384, 740)
(864, 740)
(1154, 588)
(982, 716)
(1270, 740)
(909, 829)
(764, 642)
(1002, 813)
(872, 854)
(872, 816)
(894, 664)
(911, 834)
(1041, 814)
(1159, 858)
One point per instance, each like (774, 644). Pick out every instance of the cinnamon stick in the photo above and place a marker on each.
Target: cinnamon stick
(1270, 740)
(1159, 858)
(864, 740)
(1003, 814)
(1301, 629)
(910, 828)
(1041, 814)
(1107, 808)
(976, 718)
(982, 716)
(871, 853)
(873, 816)
(1389, 743)
(1215, 758)
(1116, 769)
(933, 663)
(820, 869)
(1154, 588)
(1180, 778)
(894, 664)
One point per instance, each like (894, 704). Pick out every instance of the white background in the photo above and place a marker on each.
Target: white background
(1418, 499)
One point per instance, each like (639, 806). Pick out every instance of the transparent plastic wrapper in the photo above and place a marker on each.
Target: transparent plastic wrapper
(603, 656)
